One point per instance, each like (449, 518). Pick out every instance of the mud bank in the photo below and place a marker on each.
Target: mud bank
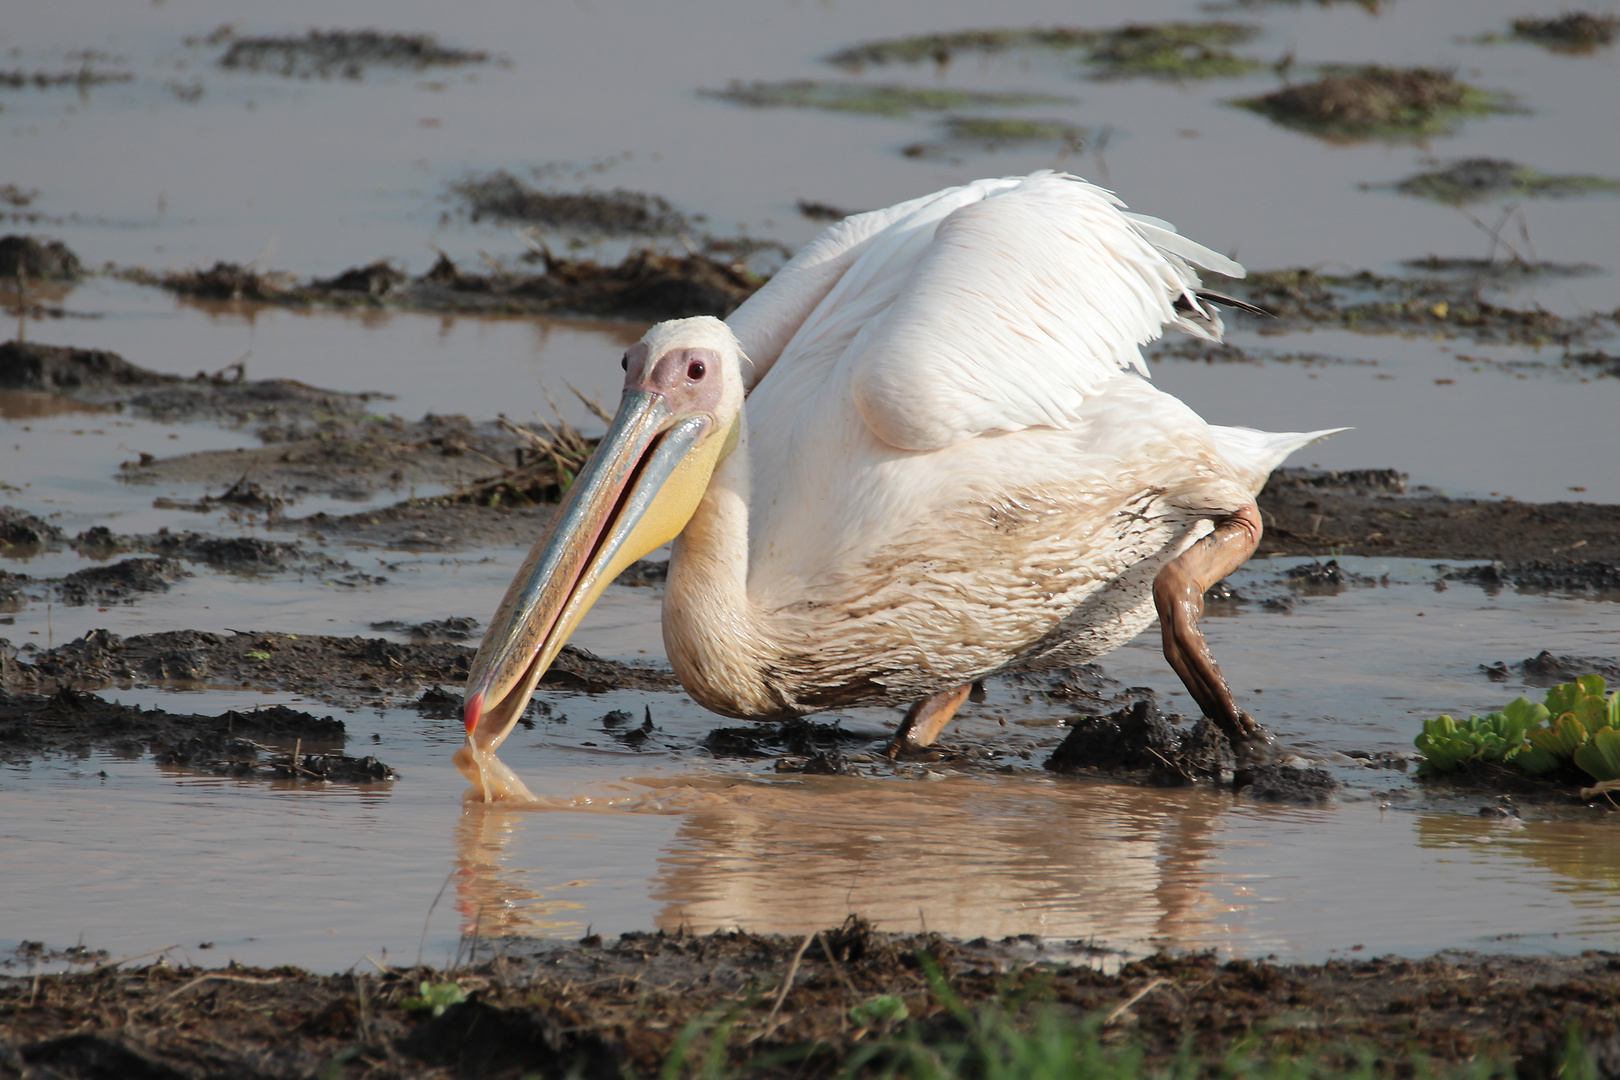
(1369, 512)
(776, 1006)
(70, 722)
(339, 670)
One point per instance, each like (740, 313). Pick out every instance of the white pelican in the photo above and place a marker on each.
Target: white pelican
(924, 453)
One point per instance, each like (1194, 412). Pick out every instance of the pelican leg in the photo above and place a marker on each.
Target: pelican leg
(1178, 593)
(926, 719)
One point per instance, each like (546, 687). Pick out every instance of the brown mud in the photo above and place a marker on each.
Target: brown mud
(342, 671)
(772, 1006)
(647, 285)
(1367, 512)
(74, 723)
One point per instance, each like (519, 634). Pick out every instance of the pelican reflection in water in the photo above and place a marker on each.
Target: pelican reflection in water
(926, 452)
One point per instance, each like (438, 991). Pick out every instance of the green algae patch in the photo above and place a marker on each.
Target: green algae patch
(1377, 102)
(1476, 179)
(989, 133)
(1174, 50)
(1573, 33)
(872, 99)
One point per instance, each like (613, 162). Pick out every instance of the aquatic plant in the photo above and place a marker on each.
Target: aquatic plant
(874, 99)
(435, 997)
(1376, 102)
(1577, 724)
(1573, 32)
(1170, 50)
(1473, 179)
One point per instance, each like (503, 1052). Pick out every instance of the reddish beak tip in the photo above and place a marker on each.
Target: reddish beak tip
(474, 709)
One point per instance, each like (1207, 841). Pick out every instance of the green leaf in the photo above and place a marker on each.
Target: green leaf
(1591, 685)
(883, 1009)
(1535, 761)
(1601, 755)
(1562, 738)
(436, 997)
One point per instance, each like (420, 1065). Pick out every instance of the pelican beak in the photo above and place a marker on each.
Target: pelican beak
(635, 493)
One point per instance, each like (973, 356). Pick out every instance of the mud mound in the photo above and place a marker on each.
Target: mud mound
(120, 581)
(105, 378)
(221, 552)
(20, 529)
(1140, 742)
(1545, 669)
(799, 745)
(71, 721)
(1289, 784)
(37, 257)
(646, 285)
(1589, 576)
(335, 669)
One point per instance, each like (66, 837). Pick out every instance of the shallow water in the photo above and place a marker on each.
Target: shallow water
(129, 857)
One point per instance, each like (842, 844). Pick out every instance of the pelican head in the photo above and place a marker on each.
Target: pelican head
(678, 416)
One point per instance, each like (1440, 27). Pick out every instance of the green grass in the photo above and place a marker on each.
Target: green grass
(1011, 1039)
(1475, 179)
(873, 99)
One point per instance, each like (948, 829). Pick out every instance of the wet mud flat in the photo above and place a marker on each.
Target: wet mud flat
(805, 1007)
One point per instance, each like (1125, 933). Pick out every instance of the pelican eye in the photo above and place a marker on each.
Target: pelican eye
(624, 361)
(695, 370)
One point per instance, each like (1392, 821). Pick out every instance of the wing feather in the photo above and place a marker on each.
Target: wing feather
(991, 307)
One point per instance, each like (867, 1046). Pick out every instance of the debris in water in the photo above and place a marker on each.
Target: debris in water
(342, 52)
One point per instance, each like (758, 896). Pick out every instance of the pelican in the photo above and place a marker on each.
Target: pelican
(926, 452)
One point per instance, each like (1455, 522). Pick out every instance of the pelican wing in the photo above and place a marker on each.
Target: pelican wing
(1022, 305)
(995, 306)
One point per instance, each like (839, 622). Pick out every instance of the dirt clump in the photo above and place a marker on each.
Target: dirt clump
(799, 745)
(22, 530)
(1601, 576)
(453, 628)
(38, 257)
(628, 1006)
(338, 670)
(1374, 101)
(1546, 669)
(1141, 743)
(348, 53)
(1281, 783)
(221, 552)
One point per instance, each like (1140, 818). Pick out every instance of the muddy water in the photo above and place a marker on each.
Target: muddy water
(127, 856)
